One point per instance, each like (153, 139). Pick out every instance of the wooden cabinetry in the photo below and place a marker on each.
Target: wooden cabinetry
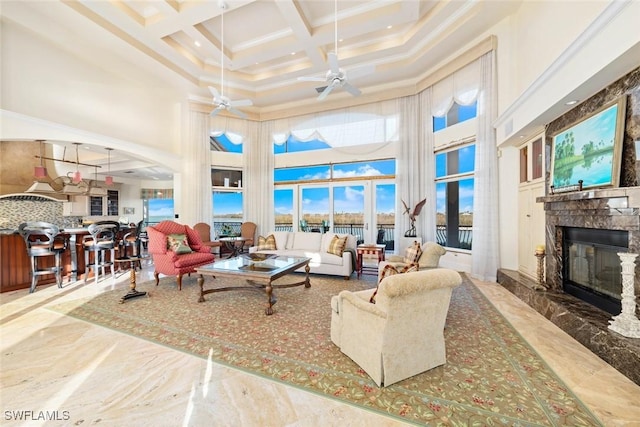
(15, 270)
(531, 217)
(78, 206)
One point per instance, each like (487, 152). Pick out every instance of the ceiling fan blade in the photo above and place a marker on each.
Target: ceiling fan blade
(362, 71)
(237, 112)
(241, 103)
(333, 63)
(214, 92)
(325, 92)
(312, 79)
(351, 89)
(216, 111)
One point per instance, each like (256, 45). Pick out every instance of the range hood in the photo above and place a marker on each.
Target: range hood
(68, 189)
(41, 187)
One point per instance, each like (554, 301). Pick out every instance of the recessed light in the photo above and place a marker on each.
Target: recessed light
(572, 102)
(197, 43)
(293, 53)
(389, 27)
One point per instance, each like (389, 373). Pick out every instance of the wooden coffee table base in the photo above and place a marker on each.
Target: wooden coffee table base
(255, 284)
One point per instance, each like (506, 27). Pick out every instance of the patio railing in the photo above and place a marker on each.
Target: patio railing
(385, 235)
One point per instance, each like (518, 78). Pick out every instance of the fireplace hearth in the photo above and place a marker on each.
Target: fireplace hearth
(611, 220)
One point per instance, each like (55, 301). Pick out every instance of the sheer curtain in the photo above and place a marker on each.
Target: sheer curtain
(410, 172)
(428, 217)
(258, 177)
(485, 249)
(195, 199)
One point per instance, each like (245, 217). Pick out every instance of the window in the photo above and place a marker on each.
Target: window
(377, 168)
(158, 210)
(338, 197)
(454, 196)
(112, 202)
(226, 178)
(293, 145)
(225, 143)
(456, 114)
(307, 173)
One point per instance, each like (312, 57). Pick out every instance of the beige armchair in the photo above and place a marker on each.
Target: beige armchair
(402, 334)
(430, 258)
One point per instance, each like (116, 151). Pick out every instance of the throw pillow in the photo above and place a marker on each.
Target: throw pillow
(337, 244)
(413, 253)
(178, 243)
(390, 270)
(266, 243)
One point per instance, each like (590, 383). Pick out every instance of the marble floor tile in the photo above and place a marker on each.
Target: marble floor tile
(50, 362)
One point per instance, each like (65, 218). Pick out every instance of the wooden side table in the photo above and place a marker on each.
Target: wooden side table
(132, 260)
(234, 244)
(369, 249)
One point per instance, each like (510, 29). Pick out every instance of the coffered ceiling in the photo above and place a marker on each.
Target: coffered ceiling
(268, 44)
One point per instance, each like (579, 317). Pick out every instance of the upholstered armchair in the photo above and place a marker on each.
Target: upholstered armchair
(176, 250)
(248, 231)
(430, 258)
(204, 232)
(402, 333)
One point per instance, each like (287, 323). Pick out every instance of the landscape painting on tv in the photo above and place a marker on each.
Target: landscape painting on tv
(590, 150)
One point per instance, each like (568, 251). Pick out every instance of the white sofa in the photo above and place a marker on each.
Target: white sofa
(314, 246)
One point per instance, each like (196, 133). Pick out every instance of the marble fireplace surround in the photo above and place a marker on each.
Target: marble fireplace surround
(611, 209)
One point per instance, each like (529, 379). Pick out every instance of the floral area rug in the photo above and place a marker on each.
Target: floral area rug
(492, 376)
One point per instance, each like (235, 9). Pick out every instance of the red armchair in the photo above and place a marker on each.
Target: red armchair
(170, 261)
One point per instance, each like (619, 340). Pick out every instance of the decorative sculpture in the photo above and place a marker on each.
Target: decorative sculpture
(411, 232)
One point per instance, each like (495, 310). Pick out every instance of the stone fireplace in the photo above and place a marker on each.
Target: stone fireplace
(591, 266)
(586, 224)
(586, 229)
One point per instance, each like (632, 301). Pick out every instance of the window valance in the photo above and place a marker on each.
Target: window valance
(461, 87)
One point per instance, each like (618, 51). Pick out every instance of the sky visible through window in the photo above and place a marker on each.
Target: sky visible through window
(347, 198)
(160, 209)
(466, 163)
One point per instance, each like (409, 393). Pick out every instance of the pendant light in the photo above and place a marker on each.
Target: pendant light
(77, 176)
(109, 179)
(41, 171)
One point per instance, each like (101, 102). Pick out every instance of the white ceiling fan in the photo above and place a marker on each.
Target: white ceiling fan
(219, 100)
(336, 77)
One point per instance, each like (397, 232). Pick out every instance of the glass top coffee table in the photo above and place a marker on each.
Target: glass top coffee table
(258, 272)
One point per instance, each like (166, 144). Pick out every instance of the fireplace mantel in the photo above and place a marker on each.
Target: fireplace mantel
(626, 195)
(606, 209)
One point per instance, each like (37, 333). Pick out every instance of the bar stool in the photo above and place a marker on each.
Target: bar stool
(43, 240)
(102, 238)
(132, 240)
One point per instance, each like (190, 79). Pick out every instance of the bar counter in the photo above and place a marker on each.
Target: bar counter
(15, 266)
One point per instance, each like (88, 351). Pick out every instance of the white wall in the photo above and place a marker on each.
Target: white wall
(39, 79)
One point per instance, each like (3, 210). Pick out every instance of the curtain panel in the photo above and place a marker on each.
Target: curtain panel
(485, 250)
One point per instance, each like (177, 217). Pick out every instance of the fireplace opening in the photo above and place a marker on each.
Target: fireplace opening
(591, 266)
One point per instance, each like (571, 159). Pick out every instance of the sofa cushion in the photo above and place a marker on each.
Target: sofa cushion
(282, 239)
(266, 243)
(178, 243)
(413, 253)
(193, 259)
(336, 247)
(307, 241)
(390, 270)
(327, 238)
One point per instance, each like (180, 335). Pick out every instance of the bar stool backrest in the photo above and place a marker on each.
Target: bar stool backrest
(41, 238)
(103, 234)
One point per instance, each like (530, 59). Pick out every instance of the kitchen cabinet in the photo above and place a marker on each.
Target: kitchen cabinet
(78, 206)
